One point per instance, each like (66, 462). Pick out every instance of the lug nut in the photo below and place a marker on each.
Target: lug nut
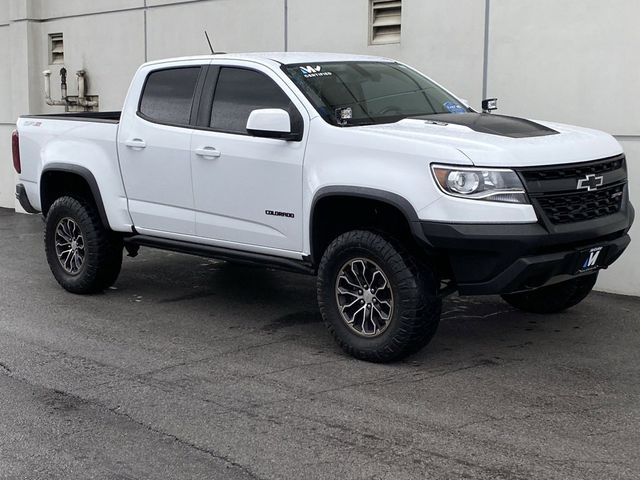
(359, 292)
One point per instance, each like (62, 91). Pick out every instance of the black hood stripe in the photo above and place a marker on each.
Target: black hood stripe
(493, 124)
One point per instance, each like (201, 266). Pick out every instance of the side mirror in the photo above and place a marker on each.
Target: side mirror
(271, 123)
(489, 104)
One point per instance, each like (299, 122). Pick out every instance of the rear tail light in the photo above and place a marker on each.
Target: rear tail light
(15, 148)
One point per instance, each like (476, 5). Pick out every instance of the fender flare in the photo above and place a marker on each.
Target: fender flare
(393, 199)
(88, 177)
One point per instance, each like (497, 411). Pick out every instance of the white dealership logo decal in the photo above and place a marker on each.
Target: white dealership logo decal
(590, 182)
(316, 71)
(591, 260)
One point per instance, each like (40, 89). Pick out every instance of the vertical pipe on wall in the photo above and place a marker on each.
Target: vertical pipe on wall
(485, 65)
(286, 25)
(145, 31)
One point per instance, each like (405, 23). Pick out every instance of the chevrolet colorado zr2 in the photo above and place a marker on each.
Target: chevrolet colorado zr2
(357, 169)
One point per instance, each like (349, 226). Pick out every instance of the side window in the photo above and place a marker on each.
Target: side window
(168, 95)
(240, 91)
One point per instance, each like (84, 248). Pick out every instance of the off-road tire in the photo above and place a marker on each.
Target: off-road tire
(103, 248)
(553, 298)
(417, 307)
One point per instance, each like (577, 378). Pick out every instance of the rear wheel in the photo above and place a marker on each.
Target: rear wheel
(83, 255)
(375, 300)
(553, 298)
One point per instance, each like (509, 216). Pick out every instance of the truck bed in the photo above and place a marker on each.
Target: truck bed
(102, 117)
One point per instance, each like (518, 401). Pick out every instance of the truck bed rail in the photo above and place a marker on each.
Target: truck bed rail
(102, 117)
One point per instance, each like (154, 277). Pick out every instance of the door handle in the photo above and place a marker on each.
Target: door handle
(135, 143)
(207, 152)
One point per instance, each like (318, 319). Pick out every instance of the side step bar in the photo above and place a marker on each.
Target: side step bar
(221, 253)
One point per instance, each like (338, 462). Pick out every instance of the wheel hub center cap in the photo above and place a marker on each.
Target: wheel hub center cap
(368, 296)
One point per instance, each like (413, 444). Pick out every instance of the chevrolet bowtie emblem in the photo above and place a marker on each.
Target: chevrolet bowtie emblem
(590, 182)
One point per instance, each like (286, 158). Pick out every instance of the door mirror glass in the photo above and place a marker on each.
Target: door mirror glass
(270, 123)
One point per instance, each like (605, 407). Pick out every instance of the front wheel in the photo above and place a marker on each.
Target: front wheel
(83, 255)
(553, 298)
(378, 304)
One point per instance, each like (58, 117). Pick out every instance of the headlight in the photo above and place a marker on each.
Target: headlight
(496, 185)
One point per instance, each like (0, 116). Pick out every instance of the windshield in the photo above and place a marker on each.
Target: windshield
(366, 93)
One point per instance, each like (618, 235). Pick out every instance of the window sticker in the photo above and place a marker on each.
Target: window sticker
(454, 107)
(310, 72)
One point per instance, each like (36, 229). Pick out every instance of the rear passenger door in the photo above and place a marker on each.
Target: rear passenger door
(248, 193)
(154, 143)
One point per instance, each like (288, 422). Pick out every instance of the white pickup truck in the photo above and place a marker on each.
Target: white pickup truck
(357, 169)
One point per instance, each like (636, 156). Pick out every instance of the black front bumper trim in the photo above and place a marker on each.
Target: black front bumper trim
(535, 271)
(490, 259)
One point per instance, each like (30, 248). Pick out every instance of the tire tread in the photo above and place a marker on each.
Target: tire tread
(419, 304)
(104, 258)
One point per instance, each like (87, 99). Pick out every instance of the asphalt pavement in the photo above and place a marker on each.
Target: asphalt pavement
(191, 368)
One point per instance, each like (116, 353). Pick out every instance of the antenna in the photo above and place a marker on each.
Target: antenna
(209, 42)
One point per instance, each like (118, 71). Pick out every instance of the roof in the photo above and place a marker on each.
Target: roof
(312, 57)
(284, 57)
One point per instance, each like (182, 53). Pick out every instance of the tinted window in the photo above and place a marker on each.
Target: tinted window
(241, 91)
(168, 95)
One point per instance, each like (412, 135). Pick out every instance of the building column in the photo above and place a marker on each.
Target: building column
(22, 50)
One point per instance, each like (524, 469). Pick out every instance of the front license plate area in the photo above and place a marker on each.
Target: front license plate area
(590, 259)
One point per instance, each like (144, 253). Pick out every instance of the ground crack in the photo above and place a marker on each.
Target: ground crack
(186, 443)
(4, 368)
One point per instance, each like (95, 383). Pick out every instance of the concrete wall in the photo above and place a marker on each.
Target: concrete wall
(450, 52)
(624, 276)
(230, 27)
(575, 62)
(6, 121)
(571, 61)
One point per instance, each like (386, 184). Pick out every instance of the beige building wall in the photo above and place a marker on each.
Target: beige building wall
(7, 118)
(571, 61)
(576, 62)
(442, 38)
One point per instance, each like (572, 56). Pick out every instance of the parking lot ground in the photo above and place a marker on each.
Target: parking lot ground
(193, 368)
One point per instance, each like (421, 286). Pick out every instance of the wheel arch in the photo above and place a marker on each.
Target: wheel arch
(75, 179)
(364, 195)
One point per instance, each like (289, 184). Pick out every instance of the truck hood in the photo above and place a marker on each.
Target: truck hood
(500, 141)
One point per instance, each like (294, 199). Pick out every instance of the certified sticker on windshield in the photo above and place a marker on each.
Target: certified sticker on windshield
(310, 72)
(454, 107)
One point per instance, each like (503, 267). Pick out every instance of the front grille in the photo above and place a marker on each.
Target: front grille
(578, 207)
(578, 192)
(567, 171)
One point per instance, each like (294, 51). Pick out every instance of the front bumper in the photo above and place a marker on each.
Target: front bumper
(505, 258)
